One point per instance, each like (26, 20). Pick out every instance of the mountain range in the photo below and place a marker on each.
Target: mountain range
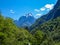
(25, 21)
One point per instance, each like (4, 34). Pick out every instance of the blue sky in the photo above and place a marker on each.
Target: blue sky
(17, 8)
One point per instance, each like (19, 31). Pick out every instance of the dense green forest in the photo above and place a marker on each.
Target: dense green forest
(46, 34)
(51, 31)
(11, 35)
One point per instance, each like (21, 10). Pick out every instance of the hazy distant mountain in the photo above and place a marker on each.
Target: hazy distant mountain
(25, 21)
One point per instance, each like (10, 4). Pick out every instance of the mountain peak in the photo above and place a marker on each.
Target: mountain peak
(26, 20)
(29, 14)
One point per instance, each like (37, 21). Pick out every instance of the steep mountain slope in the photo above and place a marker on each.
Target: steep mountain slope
(52, 30)
(25, 21)
(50, 25)
(54, 13)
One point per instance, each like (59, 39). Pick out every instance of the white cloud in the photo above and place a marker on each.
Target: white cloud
(38, 15)
(42, 9)
(12, 12)
(49, 6)
(46, 7)
(36, 10)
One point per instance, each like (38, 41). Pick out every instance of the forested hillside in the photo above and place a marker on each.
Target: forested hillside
(11, 35)
(46, 33)
(51, 30)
